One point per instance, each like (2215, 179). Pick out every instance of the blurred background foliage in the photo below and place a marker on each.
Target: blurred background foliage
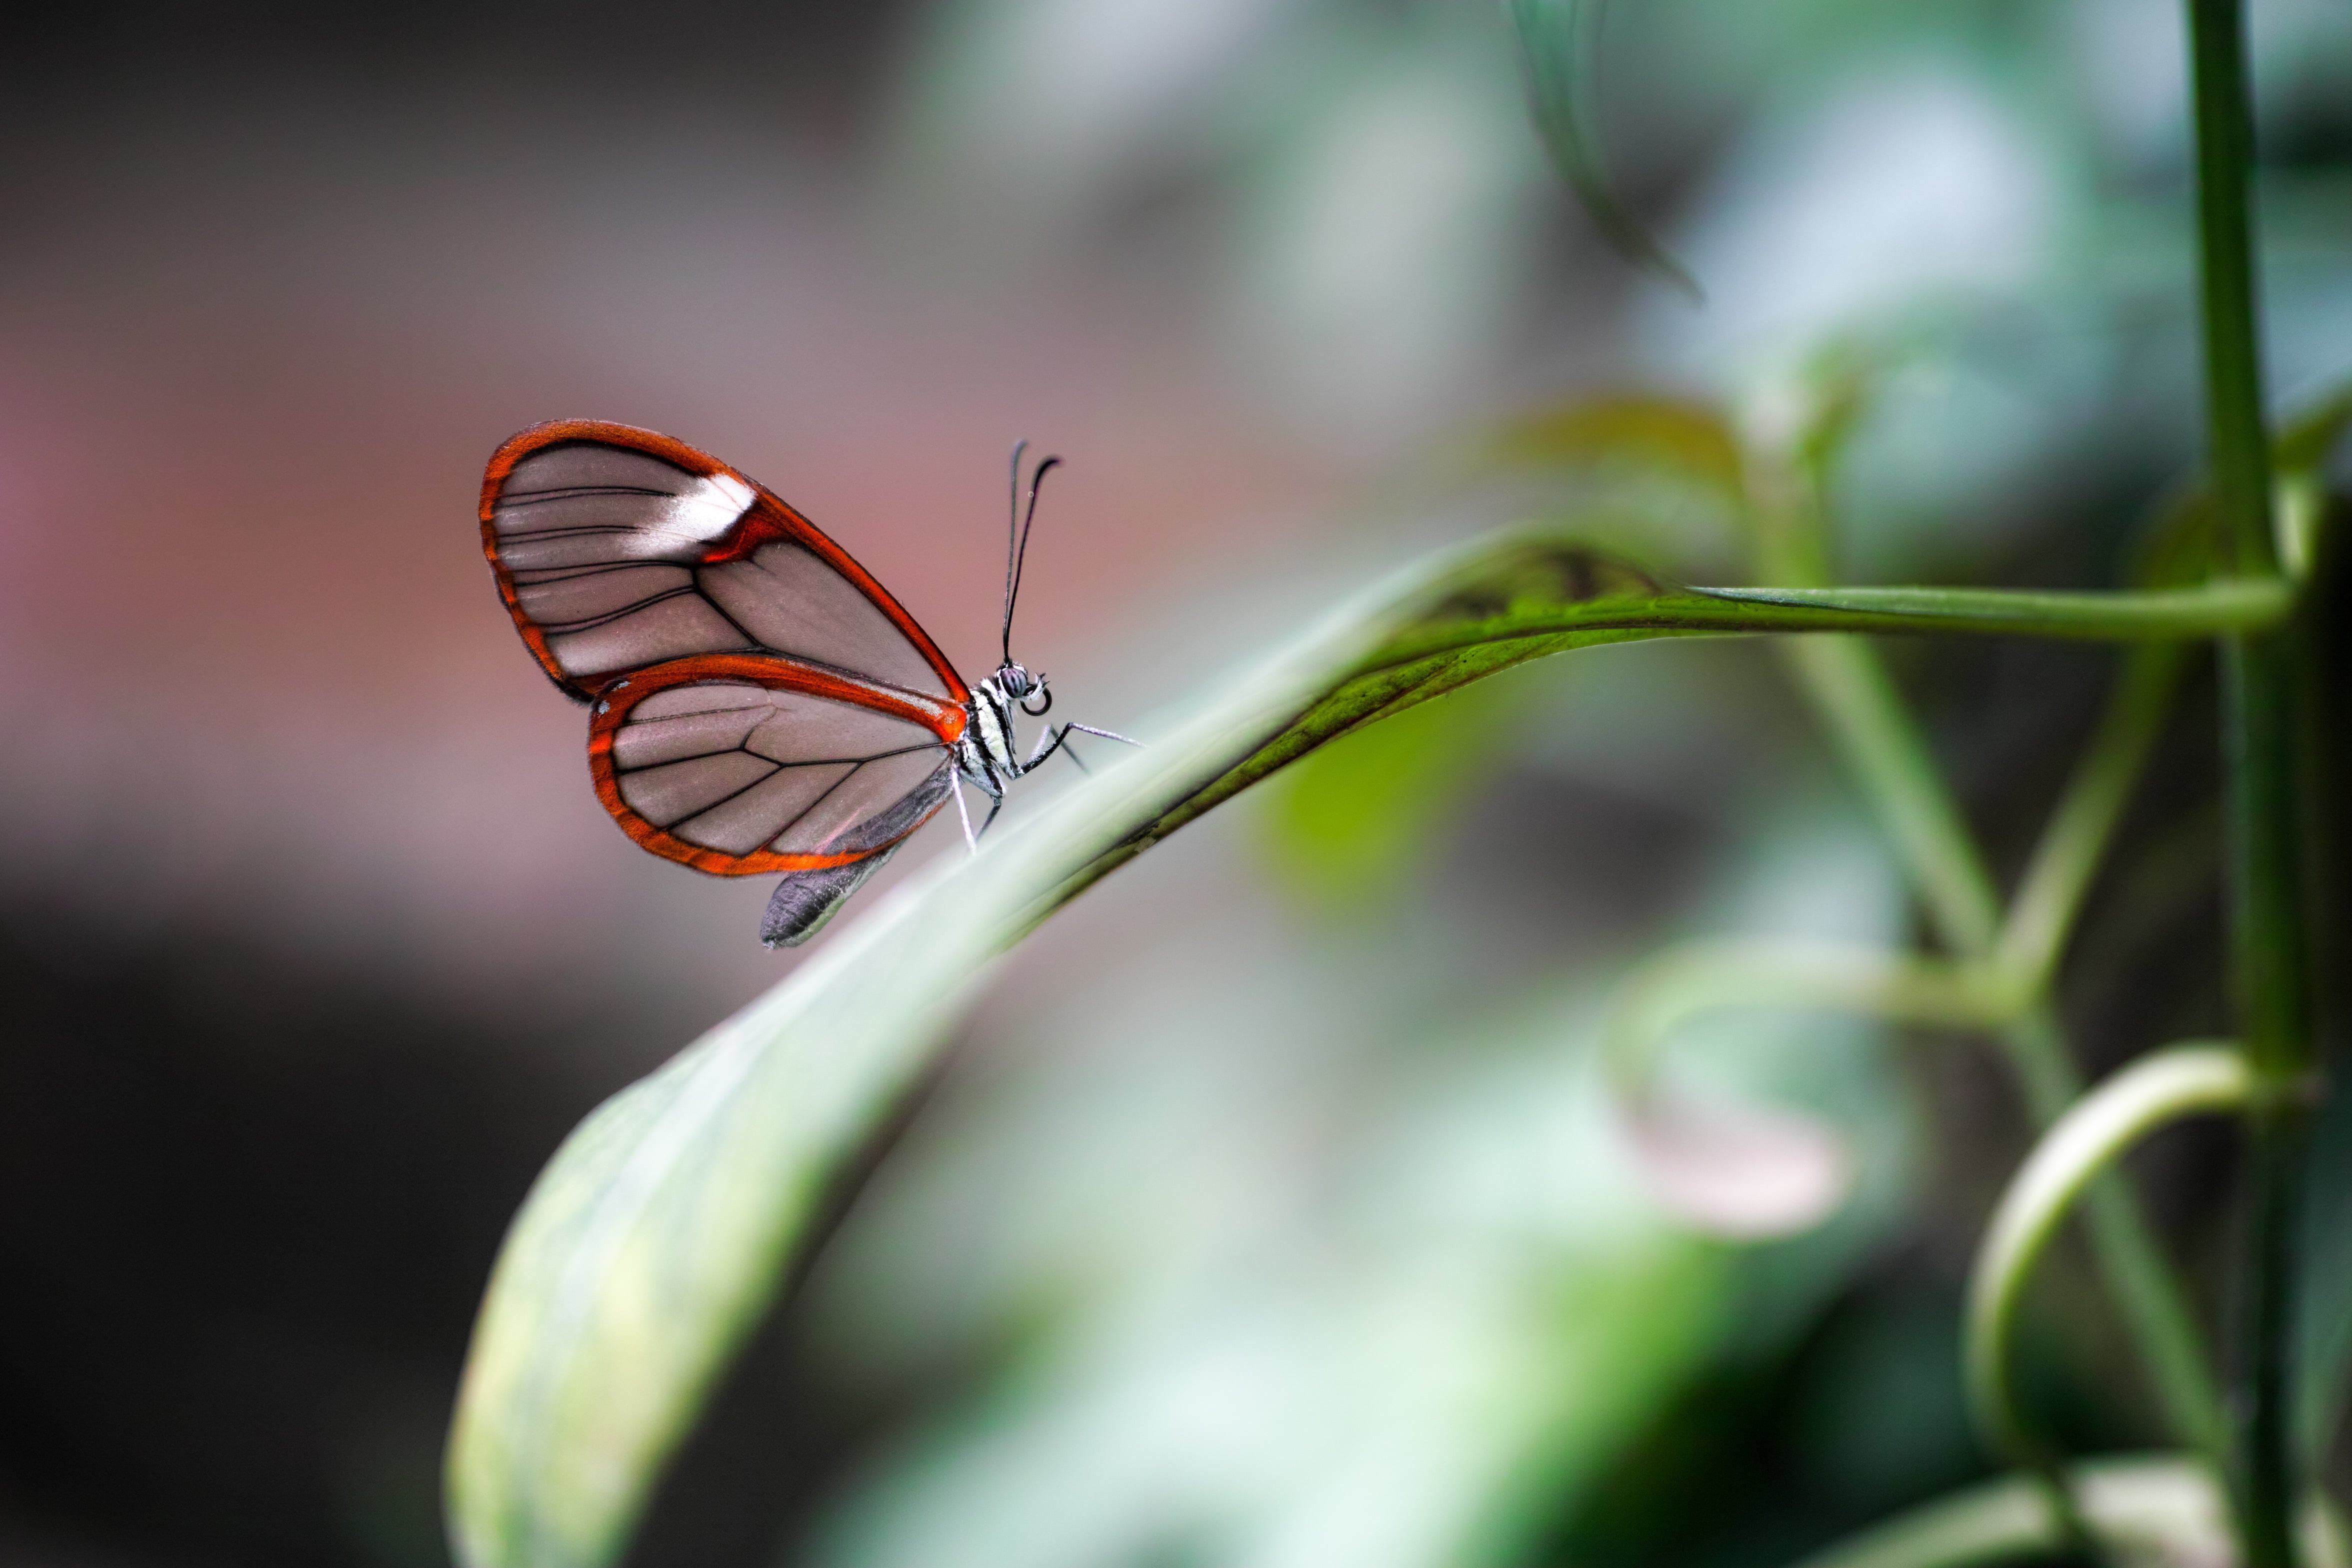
(1270, 1213)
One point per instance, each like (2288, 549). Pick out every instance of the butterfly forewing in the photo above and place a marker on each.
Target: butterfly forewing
(788, 598)
(617, 549)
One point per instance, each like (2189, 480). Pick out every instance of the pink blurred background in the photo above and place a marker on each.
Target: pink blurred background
(316, 939)
(260, 679)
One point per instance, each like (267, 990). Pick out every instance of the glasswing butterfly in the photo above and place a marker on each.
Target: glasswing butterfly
(758, 702)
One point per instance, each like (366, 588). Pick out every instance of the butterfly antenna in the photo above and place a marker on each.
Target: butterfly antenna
(1017, 541)
(1012, 544)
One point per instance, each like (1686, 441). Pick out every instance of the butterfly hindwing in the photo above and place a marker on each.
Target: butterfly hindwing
(739, 764)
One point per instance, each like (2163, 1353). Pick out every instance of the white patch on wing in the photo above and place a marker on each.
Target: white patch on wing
(702, 514)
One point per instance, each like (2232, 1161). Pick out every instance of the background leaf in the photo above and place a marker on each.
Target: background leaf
(1556, 42)
(1688, 438)
(1350, 825)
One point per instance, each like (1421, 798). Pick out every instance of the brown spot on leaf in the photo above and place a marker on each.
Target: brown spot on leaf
(1546, 574)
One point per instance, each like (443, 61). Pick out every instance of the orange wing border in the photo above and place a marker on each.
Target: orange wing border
(769, 520)
(621, 696)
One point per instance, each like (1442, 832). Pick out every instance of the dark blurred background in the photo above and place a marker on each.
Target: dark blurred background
(1268, 1213)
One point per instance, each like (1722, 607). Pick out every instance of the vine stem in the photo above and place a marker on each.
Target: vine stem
(1882, 747)
(1884, 750)
(2259, 751)
(2095, 1131)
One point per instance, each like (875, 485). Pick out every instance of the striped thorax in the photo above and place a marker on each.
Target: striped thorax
(988, 753)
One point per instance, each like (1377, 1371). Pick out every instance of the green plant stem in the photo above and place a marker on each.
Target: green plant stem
(2259, 748)
(1635, 604)
(2050, 894)
(2168, 1505)
(2225, 605)
(2239, 451)
(2095, 1131)
(1873, 733)
(2266, 928)
(1680, 982)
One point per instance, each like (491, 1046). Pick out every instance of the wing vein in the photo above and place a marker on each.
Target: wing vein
(776, 767)
(533, 498)
(820, 800)
(562, 629)
(532, 577)
(798, 762)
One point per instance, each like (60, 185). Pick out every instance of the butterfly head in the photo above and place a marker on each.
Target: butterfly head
(1025, 687)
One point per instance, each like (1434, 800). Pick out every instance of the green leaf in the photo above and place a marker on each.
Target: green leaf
(656, 1236)
(1557, 41)
(1349, 825)
(1693, 439)
(2308, 434)
(2179, 548)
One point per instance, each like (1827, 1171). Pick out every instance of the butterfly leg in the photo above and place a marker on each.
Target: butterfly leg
(983, 781)
(1057, 739)
(1054, 738)
(1071, 751)
(971, 839)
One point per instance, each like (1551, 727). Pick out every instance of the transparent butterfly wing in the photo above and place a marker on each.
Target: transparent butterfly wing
(761, 703)
(744, 764)
(617, 549)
